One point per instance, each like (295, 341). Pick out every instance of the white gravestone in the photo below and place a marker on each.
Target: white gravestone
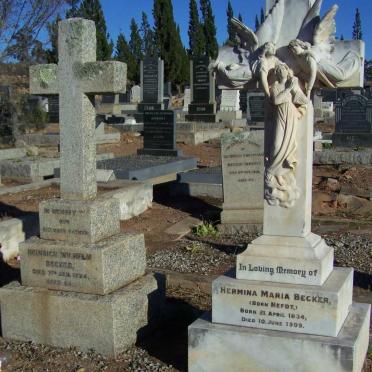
(186, 100)
(243, 173)
(135, 94)
(230, 105)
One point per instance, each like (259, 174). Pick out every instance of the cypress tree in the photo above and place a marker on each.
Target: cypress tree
(240, 17)
(230, 29)
(91, 9)
(256, 23)
(168, 41)
(148, 37)
(262, 16)
(73, 10)
(209, 28)
(196, 33)
(135, 42)
(357, 27)
(123, 54)
(342, 37)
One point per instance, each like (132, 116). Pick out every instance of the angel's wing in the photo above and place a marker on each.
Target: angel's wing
(245, 34)
(325, 31)
(310, 22)
(270, 30)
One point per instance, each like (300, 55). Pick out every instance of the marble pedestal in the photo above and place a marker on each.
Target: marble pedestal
(221, 348)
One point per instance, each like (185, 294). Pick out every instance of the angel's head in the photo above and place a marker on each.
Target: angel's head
(283, 72)
(299, 47)
(269, 49)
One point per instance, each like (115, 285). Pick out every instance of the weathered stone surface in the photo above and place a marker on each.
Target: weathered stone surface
(79, 221)
(134, 198)
(220, 348)
(197, 137)
(243, 176)
(186, 100)
(12, 153)
(333, 157)
(310, 254)
(98, 268)
(107, 324)
(76, 76)
(318, 310)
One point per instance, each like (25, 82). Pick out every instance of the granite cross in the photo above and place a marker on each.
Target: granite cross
(76, 79)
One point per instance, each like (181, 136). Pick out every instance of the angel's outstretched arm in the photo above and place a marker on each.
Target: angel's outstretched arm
(313, 69)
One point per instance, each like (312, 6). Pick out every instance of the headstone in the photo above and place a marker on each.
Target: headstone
(90, 275)
(230, 106)
(255, 107)
(243, 101)
(159, 133)
(317, 102)
(135, 94)
(243, 174)
(353, 122)
(203, 102)
(186, 100)
(152, 84)
(53, 104)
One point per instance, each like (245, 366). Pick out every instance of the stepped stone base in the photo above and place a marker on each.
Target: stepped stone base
(107, 324)
(220, 348)
(83, 221)
(317, 310)
(282, 259)
(98, 268)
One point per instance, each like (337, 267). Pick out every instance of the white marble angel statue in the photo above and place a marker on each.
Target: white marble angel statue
(296, 35)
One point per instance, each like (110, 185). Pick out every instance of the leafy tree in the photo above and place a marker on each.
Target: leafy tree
(262, 16)
(20, 24)
(124, 54)
(148, 37)
(196, 33)
(357, 27)
(135, 42)
(209, 28)
(256, 23)
(91, 9)
(168, 42)
(230, 29)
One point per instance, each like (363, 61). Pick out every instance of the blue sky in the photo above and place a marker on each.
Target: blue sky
(118, 14)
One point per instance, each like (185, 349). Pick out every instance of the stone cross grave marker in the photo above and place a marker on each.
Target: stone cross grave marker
(77, 78)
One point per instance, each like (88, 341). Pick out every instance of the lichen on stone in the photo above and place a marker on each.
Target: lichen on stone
(47, 75)
(88, 70)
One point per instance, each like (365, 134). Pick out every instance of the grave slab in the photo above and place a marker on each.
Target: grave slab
(144, 167)
(98, 268)
(220, 347)
(79, 221)
(317, 310)
(107, 324)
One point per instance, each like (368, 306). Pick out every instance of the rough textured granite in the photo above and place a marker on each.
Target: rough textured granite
(79, 221)
(98, 268)
(220, 348)
(107, 324)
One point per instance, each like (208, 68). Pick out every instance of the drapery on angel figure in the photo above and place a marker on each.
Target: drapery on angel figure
(288, 105)
(315, 59)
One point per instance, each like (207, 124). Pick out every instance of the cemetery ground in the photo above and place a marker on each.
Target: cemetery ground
(187, 263)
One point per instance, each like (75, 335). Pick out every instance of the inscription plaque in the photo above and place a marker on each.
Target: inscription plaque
(256, 107)
(201, 80)
(151, 80)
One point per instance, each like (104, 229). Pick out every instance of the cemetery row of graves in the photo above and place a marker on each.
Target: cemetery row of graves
(128, 216)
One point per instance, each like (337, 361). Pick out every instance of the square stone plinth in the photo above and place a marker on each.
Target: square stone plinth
(317, 310)
(107, 324)
(221, 348)
(285, 259)
(98, 268)
(85, 221)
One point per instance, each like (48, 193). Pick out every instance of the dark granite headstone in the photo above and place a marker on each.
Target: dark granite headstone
(353, 121)
(124, 97)
(329, 95)
(159, 133)
(203, 102)
(243, 101)
(255, 107)
(53, 104)
(108, 99)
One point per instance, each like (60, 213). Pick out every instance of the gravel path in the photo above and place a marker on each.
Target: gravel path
(191, 257)
(352, 250)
